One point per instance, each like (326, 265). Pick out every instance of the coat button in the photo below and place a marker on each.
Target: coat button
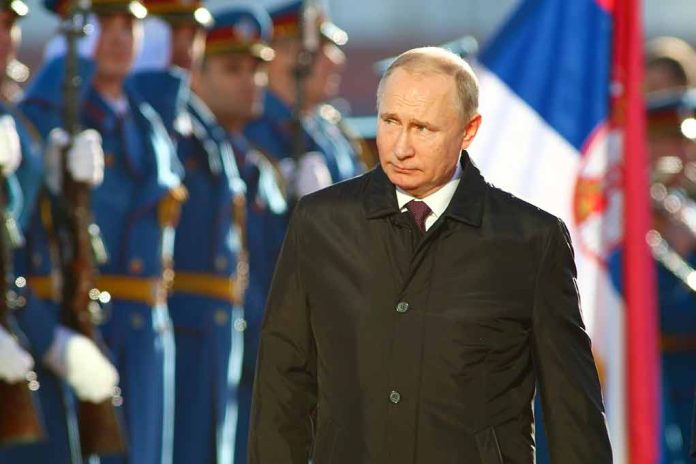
(395, 397)
(402, 307)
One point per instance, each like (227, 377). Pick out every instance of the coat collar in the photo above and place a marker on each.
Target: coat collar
(466, 205)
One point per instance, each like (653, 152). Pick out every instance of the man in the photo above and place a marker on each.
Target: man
(209, 258)
(667, 144)
(135, 209)
(68, 363)
(325, 155)
(415, 307)
(230, 83)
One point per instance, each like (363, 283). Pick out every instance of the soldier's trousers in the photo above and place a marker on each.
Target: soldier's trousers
(208, 368)
(142, 346)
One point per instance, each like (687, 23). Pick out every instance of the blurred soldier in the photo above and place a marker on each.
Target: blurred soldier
(670, 65)
(209, 260)
(72, 360)
(296, 37)
(136, 209)
(231, 82)
(671, 117)
(175, 38)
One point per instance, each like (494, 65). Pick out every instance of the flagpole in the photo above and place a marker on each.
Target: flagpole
(642, 324)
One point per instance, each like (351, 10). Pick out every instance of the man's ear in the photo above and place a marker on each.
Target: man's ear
(471, 130)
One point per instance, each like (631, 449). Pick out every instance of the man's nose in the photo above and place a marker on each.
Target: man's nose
(403, 148)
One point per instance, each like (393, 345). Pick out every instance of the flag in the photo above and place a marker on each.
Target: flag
(563, 128)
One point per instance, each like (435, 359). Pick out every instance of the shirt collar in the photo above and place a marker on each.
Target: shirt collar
(436, 201)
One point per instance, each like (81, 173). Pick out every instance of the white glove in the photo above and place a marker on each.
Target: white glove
(306, 175)
(85, 159)
(10, 148)
(15, 363)
(80, 362)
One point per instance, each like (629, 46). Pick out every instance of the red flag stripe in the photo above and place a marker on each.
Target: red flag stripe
(642, 363)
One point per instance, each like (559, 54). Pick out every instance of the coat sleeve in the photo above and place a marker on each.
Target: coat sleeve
(285, 387)
(566, 373)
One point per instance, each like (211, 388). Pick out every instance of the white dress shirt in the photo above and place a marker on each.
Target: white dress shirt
(438, 201)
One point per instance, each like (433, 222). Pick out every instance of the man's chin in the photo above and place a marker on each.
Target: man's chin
(405, 181)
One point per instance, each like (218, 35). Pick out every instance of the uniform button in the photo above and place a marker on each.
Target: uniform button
(395, 397)
(221, 317)
(135, 266)
(137, 321)
(109, 160)
(402, 307)
(220, 263)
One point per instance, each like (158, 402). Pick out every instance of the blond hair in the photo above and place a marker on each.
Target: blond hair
(435, 60)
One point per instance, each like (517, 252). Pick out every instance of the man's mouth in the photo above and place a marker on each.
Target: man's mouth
(402, 170)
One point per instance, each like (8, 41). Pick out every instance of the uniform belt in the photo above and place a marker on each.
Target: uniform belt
(150, 291)
(44, 287)
(210, 285)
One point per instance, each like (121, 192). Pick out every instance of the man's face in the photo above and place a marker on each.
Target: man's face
(324, 80)
(324, 77)
(188, 45)
(9, 39)
(420, 131)
(232, 86)
(660, 76)
(116, 46)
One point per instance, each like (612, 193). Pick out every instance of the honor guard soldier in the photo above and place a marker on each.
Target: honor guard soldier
(230, 82)
(66, 362)
(672, 146)
(296, 127)
(136, 208)
(210, 261)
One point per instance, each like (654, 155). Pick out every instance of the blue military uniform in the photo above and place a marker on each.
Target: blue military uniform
(135, 208)
(267, 220)
(274, 131)
(247, 30)
(210, 263)
(676, 301)
(39, 317)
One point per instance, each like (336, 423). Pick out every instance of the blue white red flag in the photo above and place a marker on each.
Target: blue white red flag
(563, 128)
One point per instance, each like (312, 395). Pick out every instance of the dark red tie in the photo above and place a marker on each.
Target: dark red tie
(420, 211)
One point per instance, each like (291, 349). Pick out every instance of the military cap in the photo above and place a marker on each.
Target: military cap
(181, 11)
(240, 29)
(100, 7)
(287, 24)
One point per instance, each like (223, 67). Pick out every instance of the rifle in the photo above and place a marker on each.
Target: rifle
(100, 427)
(309, 40)
(19, 419)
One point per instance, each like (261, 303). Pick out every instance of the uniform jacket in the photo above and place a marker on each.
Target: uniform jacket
(381, 346)
(274, 133)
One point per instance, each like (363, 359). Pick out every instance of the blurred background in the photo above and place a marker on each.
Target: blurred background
(379, 29)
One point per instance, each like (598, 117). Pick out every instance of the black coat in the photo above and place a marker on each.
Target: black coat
(381, 346)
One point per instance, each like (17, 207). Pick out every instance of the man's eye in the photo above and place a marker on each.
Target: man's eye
(422, 129)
